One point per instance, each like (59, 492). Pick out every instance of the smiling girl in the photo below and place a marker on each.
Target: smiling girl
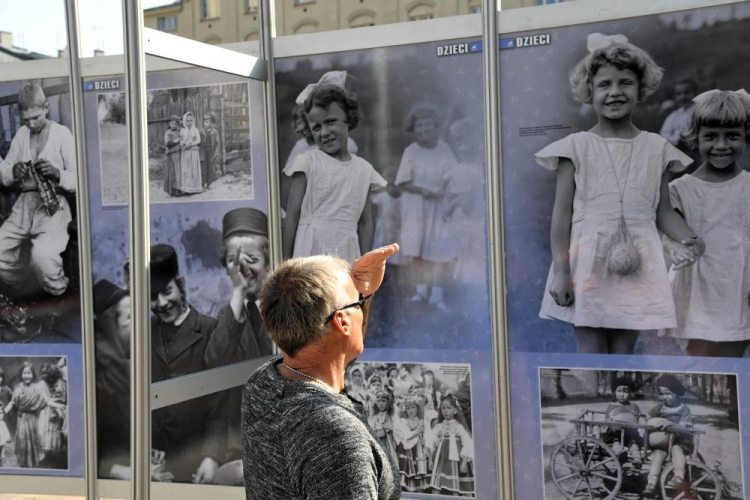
(328, 211)
(608, 276)
(713, 317)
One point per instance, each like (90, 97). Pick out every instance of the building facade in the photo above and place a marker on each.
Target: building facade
(226, 21)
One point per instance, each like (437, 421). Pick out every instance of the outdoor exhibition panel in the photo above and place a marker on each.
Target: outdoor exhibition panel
(564, 386)
(460, 314)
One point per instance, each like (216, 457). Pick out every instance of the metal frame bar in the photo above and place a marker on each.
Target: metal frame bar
(273, 184)
(496, 250)
(84, 245)
(185, 50)
(173, 391)
(140, 252)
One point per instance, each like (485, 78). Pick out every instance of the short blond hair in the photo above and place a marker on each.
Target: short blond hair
(297, 298)
(31, 96)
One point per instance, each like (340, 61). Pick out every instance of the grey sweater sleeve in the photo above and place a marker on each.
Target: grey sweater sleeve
(331, 453)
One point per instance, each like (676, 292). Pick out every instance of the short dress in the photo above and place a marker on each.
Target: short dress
(642, 300)
(335, 197)
(424, 234)
(465, 184)
(711, 296)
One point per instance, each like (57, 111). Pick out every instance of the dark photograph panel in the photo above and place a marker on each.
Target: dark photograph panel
(421, 414)
(198, 141)
(640, 434)
(33, 413)
(387, 145)
(39, 290)
(627, 187)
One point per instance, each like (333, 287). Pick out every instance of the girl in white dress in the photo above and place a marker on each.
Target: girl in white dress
(422, 176)
(711, 297)
(329, 210)
(608, 276)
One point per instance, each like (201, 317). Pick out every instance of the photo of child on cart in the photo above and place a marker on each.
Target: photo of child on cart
(630, 435)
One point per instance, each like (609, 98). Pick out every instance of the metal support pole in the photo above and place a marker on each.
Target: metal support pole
(267, 32)
(140, 340)
(84, 244)
(491, 63)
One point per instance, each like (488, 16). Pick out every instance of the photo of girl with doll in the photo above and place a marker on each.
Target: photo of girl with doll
(420, 420)
(34, 421)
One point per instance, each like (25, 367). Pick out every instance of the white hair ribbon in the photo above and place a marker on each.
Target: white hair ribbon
(335, 78)
(596, 41)
(705, 95)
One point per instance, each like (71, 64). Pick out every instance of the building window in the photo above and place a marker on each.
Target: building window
(547, 2)
(167, 23)
(475, 10)
(362, 21)
(421, 12)
(209, 9)
(300, 2)
(251, 5)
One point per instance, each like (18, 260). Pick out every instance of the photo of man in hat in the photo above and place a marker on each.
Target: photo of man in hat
(210, 151)
(179, 336)
(240, 334)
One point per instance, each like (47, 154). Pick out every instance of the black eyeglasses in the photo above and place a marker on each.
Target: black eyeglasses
(361, 302)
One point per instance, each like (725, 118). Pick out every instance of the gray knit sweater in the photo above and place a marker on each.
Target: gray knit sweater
(303, 442)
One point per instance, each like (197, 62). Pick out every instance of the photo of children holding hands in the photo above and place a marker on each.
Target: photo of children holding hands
(199, 144)
(378, 146)
(638, 238)
(434, 450)
(648, 435)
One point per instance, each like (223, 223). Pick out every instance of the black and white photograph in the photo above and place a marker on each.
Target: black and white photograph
(387, 145)
(198, 142)
(33, 413)
(627, 187)
(421, 414)
(39, 290)
(205, 285)
(610, 434)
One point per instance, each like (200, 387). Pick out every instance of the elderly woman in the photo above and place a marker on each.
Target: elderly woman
(303, 438)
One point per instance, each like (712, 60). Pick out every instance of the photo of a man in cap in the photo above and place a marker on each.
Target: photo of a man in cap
(210, 152)
(240, 334)
(179, 336)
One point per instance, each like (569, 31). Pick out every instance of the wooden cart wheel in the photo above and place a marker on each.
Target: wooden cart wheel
(702, 483)
(593, 472)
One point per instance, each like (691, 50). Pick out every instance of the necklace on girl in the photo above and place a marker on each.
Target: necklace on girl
(622, 257)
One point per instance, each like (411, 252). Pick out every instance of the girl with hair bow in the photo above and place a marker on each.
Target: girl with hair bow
(607, 276)
(713, 317)
(450, 449)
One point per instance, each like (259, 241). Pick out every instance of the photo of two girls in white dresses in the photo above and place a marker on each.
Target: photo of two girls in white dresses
(361, 171)
(648, 246)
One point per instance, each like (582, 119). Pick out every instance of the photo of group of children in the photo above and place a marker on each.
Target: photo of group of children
(421, 414)
(372, 157)
(33, 413)
(39, 291)
(639, 434)
(639, 230)
(198, 141)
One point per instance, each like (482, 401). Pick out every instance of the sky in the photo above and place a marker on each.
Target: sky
(101, 24)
